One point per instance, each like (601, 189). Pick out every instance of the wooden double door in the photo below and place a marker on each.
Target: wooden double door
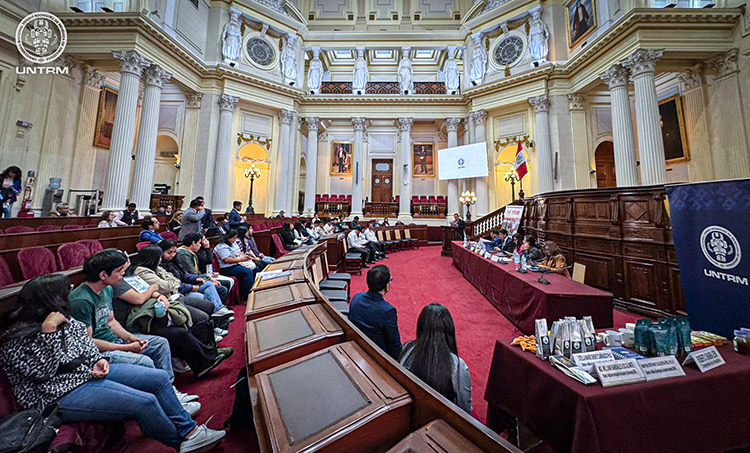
(382, 180)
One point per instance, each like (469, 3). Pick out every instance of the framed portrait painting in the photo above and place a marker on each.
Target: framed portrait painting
(105, 118)
(423, 160)
(581, 20)
(341, 158)
(673, 130)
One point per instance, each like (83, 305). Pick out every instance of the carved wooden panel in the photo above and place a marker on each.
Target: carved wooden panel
(675, 289)
(642, 282)
(600, 270)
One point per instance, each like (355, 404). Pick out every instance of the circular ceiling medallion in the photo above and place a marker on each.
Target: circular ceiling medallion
(508, 51)
(260, 52)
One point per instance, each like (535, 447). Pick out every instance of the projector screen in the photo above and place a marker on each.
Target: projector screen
(468, 161)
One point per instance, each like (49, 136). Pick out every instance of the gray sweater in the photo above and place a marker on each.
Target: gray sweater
(191, 222)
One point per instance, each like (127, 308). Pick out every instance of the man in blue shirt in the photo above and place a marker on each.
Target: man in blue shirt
(149, 234)
(235, 219)
(375, 317)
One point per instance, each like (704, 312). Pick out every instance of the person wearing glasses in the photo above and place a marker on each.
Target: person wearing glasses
(373, 315)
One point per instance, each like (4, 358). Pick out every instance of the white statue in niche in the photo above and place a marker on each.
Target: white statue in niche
(361, 74)
(538, 36)
(231, 39)
(405, 72)
(451, 72)
(478, 60)
(315, 72)
(289, 60)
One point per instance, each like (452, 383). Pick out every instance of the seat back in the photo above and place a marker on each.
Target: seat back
(345, 245)
(169, 235)
(72, 227)
(317, 271)
(48, 228)
(388, 235)
(324, 259)
(280, 250)
(15, 229)
(579, 272)
(379, 234)
(92, 245)
(6, 278)
(407, 234)
(397, 233)
(142, 244)
(72, 254)
(36, 261)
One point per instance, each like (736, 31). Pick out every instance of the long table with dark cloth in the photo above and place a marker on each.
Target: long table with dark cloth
(697, 412)
(522, 299)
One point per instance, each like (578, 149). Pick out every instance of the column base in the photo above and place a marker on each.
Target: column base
(406, 218)
(360, 214)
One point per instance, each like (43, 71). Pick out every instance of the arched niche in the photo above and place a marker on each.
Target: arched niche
(247, 155)
(167, 156)
(503, 162)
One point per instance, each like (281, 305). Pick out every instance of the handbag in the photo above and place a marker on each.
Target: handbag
(31, 430)
(248, 264)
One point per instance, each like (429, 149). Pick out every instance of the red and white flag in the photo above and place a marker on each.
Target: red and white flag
(520, 163)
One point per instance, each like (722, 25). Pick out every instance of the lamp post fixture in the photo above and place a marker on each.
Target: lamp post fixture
(467, 199)
(512, 177)
(253, 173)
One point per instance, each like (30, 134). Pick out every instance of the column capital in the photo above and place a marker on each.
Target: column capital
(312, 123)
(93, 78)
(540, 103)
(616, 76)
(451, 124)
(576, 101)
(404, 124)
(227, 102)
(478, 116)
(323, 137)
(725, 64)
(642, 61)
(287, 116)
(359, 123)
(156, 75)
(194, 100)
(693, 77)
(131, 62)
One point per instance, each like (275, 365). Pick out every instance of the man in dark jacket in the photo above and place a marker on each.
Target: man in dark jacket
(235, 219)
(374, 316)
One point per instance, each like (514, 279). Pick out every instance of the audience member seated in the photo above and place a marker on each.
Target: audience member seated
(354, 240)
(287, 237)
(433, 356)
(235, 219)
(308, 226)
(354, 223)
(530, 249)
(10, 179)
(191, 221)
(250, 248)
(377, 248)
(554, 259)
(234, 263)
(129, 216)
(495, 241)
(328, 227)
(301, 236)
(518, 246)
(161, 210)
(62, 210)
(317, 228)
(91, 304)
(373, 315)
(107, 220)
(195, 254)
(49, 357)
(221, 224)
(149, 233)
(175, 224)
(168, 211)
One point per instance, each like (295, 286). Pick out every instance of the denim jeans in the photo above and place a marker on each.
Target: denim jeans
(244, 275)
(131, 392)
(8, 211)
(208, 291)
(156, 355)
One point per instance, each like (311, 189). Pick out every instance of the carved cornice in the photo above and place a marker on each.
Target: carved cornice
(287, 116)
(131, 62)
(194, 100)
(93, 78)
(540, 103)
(451, 124)
(404, 124)
(312, 123)
(156, 75)
(576, 101)
(642, 61)
(323, 137)
(227, 102)
(725, 64)
(693, 77)
(616, 76)
(359, 123)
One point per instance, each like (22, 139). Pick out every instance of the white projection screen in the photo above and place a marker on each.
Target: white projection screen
(468, 161)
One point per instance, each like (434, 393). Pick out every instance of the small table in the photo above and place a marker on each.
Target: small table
(697, 412)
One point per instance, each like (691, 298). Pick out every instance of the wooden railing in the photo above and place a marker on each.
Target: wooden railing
(431, 210)
(381, 209)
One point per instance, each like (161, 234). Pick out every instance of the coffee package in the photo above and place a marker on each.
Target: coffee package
(542, 339)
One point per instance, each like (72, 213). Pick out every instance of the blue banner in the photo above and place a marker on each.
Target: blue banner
(711, 228)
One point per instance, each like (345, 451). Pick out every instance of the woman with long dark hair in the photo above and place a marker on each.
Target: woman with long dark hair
(10, 188)
(49, 358)
(554, 260)
(287, 237)
(433, 356)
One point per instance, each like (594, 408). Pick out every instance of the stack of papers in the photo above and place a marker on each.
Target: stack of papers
(569, 368)
(274, 274)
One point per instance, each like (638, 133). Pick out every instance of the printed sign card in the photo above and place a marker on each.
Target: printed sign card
(619, 372)
(586, 360)
(137, 283)
(661, 368)
(706, 359)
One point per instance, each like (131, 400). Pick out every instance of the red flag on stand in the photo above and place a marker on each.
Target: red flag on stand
(520, 163)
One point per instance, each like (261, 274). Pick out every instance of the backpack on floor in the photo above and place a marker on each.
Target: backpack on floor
(31, 430)
(242, 412)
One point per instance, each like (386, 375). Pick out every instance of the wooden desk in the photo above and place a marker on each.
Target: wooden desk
(267, 302)
(286, 265)
(295, 276)
(286, 336)
(349, 403)
(435, 437)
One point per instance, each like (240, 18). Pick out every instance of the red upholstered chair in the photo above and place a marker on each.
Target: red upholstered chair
(317, 197)
(71, 255)
(72, 227)
(6, 278)
(349, 197)
(431, 199)
(92, 245)
(15, 229)
(280, 250)
(423, 199)
(398, 198)
(49, 228)
(415, 199)
(140, 245)
(233, 298)
(169, 235)
(36, 261)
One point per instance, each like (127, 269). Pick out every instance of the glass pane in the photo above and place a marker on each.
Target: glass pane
(382, 166)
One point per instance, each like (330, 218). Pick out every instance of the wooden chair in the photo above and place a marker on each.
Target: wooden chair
(579, 272)
(343, 276)
(352, 261)
(389, 245)
(334, 290)
(415, 241)
(399, 245)
(407, 243)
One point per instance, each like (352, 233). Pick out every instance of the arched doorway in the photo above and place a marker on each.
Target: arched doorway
(247, 155)
(505, 161)
(167, 156)
(605, 165)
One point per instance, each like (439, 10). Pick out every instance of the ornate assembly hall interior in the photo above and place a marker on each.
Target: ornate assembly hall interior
(514, 178)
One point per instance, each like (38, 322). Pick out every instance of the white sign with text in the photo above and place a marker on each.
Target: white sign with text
(619, 372)
(586, 360)
(706, 359)
(661, 368)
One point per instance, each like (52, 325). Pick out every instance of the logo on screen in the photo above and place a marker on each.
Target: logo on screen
(461, 162)
(720, 247)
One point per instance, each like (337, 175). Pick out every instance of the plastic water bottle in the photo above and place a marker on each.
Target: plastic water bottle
(516, 257)
(159, 309)
(523, 262)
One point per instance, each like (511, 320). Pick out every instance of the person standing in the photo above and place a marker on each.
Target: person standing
(374, 316)
(235, 219)
(11, 188)
(191, 221)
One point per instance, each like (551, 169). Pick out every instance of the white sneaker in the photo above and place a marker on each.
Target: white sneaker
(180, 366)
(220, 332)
(184, 397)
(231, 318)
(223, 311)
(217, 339)
(192, 407)
(202, 437)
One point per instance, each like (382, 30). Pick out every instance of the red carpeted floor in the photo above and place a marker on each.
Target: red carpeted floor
(419, 277)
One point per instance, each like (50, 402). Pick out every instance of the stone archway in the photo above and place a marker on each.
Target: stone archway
(247, 155)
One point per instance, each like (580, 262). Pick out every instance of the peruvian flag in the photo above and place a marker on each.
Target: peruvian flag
(520, 163)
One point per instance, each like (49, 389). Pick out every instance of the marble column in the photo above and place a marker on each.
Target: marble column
(143, 173)
(84, 154)
(132, 65)
(220, 191)
(581, 160)
(358, 165)
(189, 146)
(282, 162)
(293, 169)
(311, 164)
(479, 118)
(626, 170)
(404, 206)
(545, 177)
(732, 157)
(697, 125)
(650, 141)
(451, 126)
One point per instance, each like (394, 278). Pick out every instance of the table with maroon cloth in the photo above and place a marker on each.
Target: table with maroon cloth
(697, 412)
(522, 299)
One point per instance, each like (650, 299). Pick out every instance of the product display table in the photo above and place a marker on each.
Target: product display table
(697, 412)
(522, 299)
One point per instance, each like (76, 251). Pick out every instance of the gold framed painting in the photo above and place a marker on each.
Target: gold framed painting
(105, 117)
(673, 130)
(581, 20)
(423, 160)
(341, 158)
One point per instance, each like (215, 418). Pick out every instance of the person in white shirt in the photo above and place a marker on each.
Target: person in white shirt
(376, 247)
(354, 239)
(328, 227)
